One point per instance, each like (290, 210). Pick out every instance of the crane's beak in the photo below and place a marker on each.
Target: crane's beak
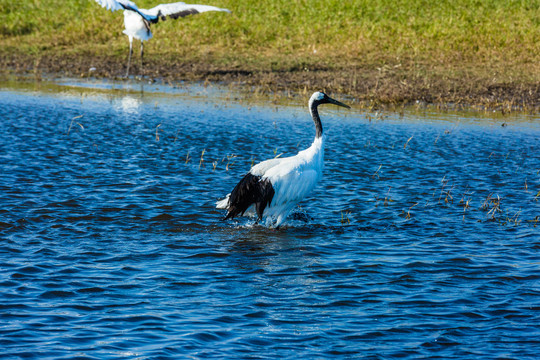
(338, 103)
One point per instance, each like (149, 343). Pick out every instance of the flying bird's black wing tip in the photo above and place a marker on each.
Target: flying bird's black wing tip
(184, 13)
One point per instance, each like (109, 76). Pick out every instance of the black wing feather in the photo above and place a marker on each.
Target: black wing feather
(176, 15)
(250, 190)
(183, 13)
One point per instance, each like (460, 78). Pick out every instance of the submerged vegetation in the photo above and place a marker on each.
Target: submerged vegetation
(381, 52)
(473, 206)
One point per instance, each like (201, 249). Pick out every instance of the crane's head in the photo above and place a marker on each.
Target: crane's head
(319, 98)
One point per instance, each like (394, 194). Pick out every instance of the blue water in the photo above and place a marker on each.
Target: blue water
(421, 241)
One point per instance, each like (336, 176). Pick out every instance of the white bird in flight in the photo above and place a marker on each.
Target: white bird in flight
(272, 188)
(137, 21)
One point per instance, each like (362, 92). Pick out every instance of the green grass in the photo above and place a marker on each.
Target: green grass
(358, 30)
(414, 39)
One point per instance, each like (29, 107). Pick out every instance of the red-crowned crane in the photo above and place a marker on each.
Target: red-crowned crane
(272, 188)
(137, 21)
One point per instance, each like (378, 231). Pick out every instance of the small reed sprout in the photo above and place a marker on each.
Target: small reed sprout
(71, 124)
(407, 143)
(229, 158)
(513, 220)
(278, 155)
(202, 158)
(408, 213)
(157, 132)
(534, 221)
(387, 198)
(465, 201)
(492, 205)
(345, 217)
(466, 205)
(376, 173)
(448, 198)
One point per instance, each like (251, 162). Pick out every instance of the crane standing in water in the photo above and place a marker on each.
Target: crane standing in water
(273, 187)
(137, 21)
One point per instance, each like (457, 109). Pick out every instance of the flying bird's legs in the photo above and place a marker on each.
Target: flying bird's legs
(130, 53)
(142, 53)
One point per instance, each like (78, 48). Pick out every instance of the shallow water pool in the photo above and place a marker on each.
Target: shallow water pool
(421, 241)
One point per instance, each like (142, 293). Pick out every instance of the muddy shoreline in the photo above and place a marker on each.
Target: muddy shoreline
(371, 87)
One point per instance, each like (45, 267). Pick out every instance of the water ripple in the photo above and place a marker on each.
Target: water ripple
(110, 245)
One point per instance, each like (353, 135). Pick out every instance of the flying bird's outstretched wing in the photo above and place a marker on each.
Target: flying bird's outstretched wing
(173, 10)
(176, 10)
(114, 5)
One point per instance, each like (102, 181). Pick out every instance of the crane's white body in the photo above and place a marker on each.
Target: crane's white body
(136, 27)
(292, 178)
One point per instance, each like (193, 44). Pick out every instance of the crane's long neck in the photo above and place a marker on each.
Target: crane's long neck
(316, 120)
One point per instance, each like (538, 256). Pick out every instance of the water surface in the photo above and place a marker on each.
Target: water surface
(420, 241)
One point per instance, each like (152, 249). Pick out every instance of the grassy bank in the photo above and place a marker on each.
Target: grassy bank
(387, 51)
